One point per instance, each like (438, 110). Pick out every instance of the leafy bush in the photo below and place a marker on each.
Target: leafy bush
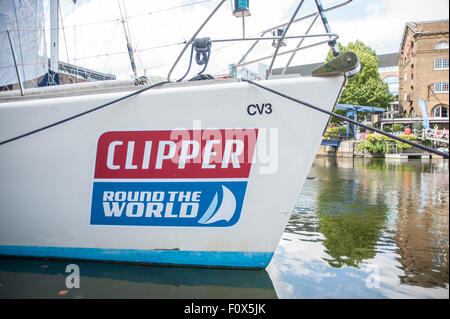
(373, 146)
(377, 143)
(337, 129)
(397, 127)
(417, 126)
(404, 146)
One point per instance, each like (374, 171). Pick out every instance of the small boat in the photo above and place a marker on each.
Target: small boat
(197, 173)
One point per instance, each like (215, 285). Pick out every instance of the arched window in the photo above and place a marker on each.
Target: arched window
(441, 64)
(404, 96)
(441, 45)
(412, 113)
(405, 76)
(440, 111)
(441, 87)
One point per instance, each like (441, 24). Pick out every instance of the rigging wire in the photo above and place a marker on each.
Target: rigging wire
(114, 53)
(64, 36)
(82, 113)
(38, 64)
(118, 20)
(347, 119)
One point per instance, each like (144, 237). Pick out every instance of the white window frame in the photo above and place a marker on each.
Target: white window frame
(440, 107)
(441, 45)
(441, 64)
(441, 87)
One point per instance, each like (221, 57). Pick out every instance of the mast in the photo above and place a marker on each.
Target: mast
(127, 38)
(54, 35)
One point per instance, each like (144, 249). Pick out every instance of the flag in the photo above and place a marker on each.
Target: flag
(423, 110)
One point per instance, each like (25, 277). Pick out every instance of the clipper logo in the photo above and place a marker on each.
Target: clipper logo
(193, 178)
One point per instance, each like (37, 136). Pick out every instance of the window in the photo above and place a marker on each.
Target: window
(441, 87)
(405, 76)
(392, 82)
(440, 111)
(395, 107)
(441, 45)
(404, 96)
(441, 64)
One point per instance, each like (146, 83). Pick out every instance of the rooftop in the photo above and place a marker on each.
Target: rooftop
(412, 25)
(387, 60)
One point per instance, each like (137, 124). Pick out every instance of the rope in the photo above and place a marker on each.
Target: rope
(203, 52)
(189, 67)
(81, 114)
(341, 117)
(202, 47)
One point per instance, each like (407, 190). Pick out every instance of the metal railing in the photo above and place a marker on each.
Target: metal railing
(441, 136)
(331, 37)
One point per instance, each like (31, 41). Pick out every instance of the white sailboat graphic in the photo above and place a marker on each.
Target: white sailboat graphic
(224, 212)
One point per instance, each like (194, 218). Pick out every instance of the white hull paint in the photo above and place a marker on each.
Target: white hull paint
(47, 178)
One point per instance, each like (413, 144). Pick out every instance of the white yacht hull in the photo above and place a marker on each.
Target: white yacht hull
(192, 175)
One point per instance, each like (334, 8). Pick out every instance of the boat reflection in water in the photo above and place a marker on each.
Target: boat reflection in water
(33, 278)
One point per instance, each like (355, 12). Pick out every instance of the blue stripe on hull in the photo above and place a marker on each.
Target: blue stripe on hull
(171, 257)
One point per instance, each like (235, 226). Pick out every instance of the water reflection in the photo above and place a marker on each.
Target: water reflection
(351, 212)
(356, 218)
(33, 278)
(422, 227)
(413, 193)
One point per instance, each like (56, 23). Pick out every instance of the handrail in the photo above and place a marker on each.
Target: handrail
(285, 52)
(334, 35)
(299, 45)
(269, 73)
(315, 15)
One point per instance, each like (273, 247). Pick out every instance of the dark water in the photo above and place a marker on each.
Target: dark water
(360, 229)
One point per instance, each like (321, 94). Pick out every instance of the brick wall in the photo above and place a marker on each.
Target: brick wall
(416, 59)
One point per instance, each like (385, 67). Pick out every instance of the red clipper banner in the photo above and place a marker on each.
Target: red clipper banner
(224, 153)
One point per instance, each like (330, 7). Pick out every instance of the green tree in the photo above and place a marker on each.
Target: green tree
(366, 88)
